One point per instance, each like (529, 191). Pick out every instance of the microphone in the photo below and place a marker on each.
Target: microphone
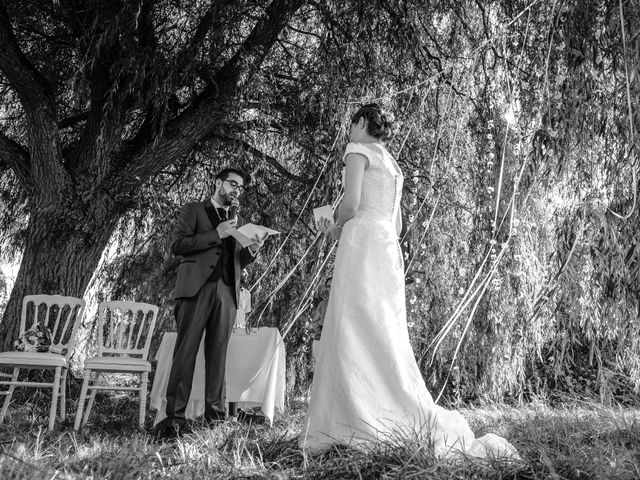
(233, 210)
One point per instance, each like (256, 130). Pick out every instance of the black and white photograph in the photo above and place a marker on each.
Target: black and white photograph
(319, 239)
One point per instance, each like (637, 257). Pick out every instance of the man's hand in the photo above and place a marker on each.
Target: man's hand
(254, 248)
(224, 228)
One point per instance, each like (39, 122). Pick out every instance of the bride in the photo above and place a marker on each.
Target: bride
(367, 385)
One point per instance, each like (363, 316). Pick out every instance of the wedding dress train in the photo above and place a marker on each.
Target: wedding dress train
(367, 384)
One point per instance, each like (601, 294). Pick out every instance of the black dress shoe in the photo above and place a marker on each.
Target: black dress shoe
(184, 429)
(163, 433)
(170, 430)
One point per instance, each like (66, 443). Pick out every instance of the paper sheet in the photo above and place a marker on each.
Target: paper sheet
(246, 233)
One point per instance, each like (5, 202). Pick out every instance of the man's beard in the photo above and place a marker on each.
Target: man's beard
(228, 199)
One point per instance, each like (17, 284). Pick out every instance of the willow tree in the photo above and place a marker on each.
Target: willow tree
(104, 96)
(101, 99)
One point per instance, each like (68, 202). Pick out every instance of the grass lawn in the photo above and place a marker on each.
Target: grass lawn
(583, 440)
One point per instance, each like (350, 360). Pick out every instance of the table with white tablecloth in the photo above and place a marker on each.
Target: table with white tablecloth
(255, 373)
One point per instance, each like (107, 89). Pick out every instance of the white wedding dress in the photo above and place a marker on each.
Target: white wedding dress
(367, 385)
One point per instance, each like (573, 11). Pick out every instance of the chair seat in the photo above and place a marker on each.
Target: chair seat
(32, 359)
(117, 364)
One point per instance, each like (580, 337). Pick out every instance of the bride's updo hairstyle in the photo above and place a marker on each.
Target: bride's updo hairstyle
(379, 123)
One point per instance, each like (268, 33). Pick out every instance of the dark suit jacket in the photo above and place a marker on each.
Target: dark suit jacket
(198, 242)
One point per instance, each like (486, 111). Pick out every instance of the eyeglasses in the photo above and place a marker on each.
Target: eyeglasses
(235, 185)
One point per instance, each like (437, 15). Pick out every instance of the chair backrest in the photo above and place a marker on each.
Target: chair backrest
(62, 315)
(125, 328)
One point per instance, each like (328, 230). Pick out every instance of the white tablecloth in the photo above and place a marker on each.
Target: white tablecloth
(255, 373)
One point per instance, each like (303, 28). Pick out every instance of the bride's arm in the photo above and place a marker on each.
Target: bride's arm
(399, 221)
(348, 207)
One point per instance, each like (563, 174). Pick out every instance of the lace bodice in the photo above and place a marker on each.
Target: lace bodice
(382, 182)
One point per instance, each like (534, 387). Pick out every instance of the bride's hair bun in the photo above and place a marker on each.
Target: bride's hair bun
(379, 123)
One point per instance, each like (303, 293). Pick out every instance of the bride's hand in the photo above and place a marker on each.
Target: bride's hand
(323, 225)
(334, 232)
(329, 228)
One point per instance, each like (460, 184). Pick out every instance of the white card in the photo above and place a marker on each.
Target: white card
(326, 211)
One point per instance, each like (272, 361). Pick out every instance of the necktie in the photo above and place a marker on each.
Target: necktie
(222, 213)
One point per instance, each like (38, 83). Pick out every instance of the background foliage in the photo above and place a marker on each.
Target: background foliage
(517, 136)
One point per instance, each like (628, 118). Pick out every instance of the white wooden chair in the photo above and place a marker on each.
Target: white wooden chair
(124, 336)
(63, 316)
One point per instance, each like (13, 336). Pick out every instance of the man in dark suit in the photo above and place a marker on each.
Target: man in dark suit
(206, 293)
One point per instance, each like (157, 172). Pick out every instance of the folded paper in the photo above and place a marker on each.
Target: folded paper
(246, 234)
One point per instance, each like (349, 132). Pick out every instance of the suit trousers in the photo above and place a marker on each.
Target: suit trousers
(212, 312)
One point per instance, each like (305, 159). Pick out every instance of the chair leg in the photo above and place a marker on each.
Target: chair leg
(143, 396)
(7, 400)
(54, 398)
(83, 397)
(92, 396)
(63, 394)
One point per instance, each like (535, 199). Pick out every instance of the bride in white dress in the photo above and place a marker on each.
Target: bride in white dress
(367, 385)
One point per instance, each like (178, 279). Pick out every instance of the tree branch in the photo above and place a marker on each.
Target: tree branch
(33, 89)
(211, 106)
(304, 32)
(146, 32)
(211, 18)
(271, 160)
(101, 137)
(47, 174)
(240, 68)
(205, 24)
(15, 157)
(72, 120)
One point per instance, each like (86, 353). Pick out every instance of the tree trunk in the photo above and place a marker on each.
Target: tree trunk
(61, 254)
